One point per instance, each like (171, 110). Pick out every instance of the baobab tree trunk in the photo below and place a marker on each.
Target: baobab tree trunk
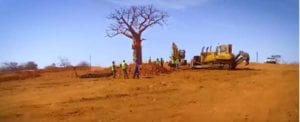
(137, 50)
(132, 22)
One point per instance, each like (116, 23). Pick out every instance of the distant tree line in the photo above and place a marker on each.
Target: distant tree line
(64, 63)
(14, 66)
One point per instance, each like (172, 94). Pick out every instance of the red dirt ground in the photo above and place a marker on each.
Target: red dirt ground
(256, 93)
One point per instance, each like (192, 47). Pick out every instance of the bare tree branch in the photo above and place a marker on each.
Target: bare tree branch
(133, 21)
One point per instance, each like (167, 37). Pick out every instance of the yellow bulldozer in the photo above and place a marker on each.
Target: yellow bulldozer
(222, 58)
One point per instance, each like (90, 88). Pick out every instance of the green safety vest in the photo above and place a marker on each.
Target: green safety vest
(113, 67)
(177, 61)
(173, 62)
(157, 62)
(124, 65)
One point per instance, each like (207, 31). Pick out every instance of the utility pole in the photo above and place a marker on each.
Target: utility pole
(90, 63)
(256, 57)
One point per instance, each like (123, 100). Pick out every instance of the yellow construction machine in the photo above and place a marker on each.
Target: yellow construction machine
(177, 54)
(222, 58)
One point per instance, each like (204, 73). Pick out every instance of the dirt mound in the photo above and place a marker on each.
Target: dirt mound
(151, 69)
(95, 75)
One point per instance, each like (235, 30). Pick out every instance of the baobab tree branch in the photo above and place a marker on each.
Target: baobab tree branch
(154, 20)
(116, 30)
(133, 21)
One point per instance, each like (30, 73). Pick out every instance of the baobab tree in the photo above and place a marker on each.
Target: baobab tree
(132, 22)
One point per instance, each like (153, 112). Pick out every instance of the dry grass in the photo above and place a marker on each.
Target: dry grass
(20, 75)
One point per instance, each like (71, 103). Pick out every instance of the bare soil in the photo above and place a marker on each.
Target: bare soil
(256, 93)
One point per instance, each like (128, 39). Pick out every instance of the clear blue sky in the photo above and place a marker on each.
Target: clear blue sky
(43, 30)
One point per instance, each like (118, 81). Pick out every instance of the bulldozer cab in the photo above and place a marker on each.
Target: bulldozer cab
(224, 48)
(224, 52)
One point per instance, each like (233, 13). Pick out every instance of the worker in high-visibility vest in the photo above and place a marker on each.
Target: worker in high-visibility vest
(177, 63)
(157, 64)
(113, 69)
(161, 62)
(157, 61)
(124, 68)
(173, 63)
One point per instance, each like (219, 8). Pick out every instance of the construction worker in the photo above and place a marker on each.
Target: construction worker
(157, 64)
(149, 61)
(161, 62)
(177, 63)
(136, 70)
(124, 68)
(113, 69)
(172, 63)
(157, 61)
